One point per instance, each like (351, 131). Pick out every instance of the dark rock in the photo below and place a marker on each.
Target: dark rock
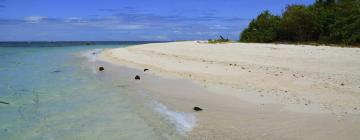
(146, 70)
(101, 68)
(56, 71)
(197, 108)
(2, 102)
(137, 77)
(342, 84)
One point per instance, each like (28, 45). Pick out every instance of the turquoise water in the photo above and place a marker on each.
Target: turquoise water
(53, 93)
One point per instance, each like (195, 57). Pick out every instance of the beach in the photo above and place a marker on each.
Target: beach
(252, 91)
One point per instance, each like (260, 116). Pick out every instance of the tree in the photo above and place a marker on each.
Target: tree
(299, 24)
(263, 29)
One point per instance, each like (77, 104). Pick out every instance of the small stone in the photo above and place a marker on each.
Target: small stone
(276, 74)
(137, 77)
(355, 108)
(249, 70)
(197, 108)
(101, 68)
(146, 70)
(306, 104)
(230, 64)
(243, 68)
(342, 84)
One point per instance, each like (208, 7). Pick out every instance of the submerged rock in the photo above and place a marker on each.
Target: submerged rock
(197, 108)
(137, 77)
(101, 68)
(2, 102)
(56, 71)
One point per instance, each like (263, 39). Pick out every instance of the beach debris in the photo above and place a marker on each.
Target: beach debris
(2, 102)
(101, 68)
(56, 71)
(137, 77)
(197, 108)
(146, 70)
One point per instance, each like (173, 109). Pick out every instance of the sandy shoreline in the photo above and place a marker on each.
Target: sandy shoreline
(325, 77)
(256, 91)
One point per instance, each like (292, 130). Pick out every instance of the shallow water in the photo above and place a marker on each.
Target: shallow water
(55, 93)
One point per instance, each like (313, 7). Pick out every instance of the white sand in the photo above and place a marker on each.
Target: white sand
(252, 91)
(305, 78)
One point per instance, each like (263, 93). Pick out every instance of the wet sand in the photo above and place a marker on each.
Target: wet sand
(233, 112)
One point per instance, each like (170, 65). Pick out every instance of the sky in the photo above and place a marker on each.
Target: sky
(130, 20)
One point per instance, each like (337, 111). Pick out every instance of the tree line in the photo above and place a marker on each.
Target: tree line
(325, 21)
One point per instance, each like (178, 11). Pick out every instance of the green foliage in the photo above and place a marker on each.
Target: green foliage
(263, 29)
(299, 24)
(325, 21)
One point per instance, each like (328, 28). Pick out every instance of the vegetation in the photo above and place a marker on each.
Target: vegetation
(325, 21)
(220, 40)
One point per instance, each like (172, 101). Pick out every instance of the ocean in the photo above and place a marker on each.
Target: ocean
(51, 90)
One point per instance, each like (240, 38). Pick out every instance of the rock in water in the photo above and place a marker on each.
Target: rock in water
(56, 71)
(2, 102)
(137, 77)
(197, 108)
(101, 68)
(146, 70)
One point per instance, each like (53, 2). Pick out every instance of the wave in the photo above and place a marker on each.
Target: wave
(184, 122)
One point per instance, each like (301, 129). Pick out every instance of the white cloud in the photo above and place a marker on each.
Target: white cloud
(126, 27)
(72, 19)
(219, 27)
(34, 19)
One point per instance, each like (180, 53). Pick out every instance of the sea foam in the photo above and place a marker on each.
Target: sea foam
(184, 122)
(92, 54)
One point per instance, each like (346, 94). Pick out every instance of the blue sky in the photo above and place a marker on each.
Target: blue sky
(132, 20)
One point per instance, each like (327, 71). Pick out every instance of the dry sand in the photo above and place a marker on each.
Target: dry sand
(255, 91)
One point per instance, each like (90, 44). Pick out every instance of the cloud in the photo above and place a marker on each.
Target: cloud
(34, 19)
